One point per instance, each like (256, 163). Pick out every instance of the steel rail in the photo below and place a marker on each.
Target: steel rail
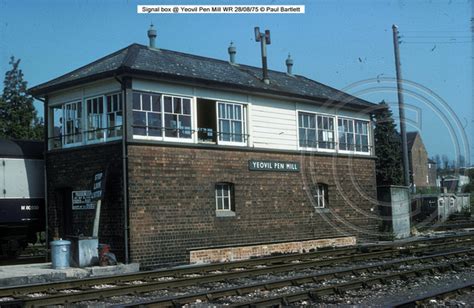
(177, 282)
(298, 280)
(84, 285)
(316, 293)
(379, 250)
(439, 294)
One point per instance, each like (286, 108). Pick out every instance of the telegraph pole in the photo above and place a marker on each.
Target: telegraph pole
(401, 107)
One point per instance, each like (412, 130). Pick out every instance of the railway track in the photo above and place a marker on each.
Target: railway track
(439, 294)
(139, 283)
(312, 293)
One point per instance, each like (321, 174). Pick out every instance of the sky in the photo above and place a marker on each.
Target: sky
(346, 44)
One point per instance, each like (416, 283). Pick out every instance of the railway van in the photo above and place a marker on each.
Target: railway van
(22, 212)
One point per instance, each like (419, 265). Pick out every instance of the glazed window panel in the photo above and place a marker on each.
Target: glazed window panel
(326, 132)
(231, 122)
(361, 136)
(114, 115)
(95, 119)
(346, 134)
(307, 130)
(177, 117)
(224, 196)
(320, 194)
(353, 135)
(72, 123)
(147, 115)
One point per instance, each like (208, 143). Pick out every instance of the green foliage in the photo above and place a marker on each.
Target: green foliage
(18, 117)
(387, 148)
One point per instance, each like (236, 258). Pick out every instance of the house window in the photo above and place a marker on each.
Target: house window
(114, 115)
(72, 123)
(224, 197)
(353, 135)
(307, 130)
(95, 118)
(316, 131)
(147, 114)
(231, 122)
(320, 195)
(177, 112)
(325, 132)
(346, 134)
(361, 136)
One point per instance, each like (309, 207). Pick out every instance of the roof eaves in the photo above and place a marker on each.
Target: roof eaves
(45, 88)
(349, 104)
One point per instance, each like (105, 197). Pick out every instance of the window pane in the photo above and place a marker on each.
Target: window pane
(185, 126)
(177, 105)
(226, 202)
(219, 190)
(139, 123)
(109, 104)
(320, 122)
(312, 121)
(222, 110)
(220, 203)
(155, 102)
(154, 124)
(146, 104)
(136, 101)
(168, 104)
(101, 105)
(237, 130)
(311, 133)
(186, 106)
(171, 125)
(237, 112)
(224, 130)
(230, 111)
(303, 137)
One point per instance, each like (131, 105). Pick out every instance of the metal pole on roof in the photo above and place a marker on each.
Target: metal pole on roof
(401, 107)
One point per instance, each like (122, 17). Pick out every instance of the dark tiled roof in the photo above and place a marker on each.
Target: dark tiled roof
(172, 65)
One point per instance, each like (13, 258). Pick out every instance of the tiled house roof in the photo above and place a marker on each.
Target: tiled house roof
(170, 65)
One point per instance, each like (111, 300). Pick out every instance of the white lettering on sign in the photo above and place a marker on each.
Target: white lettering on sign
(255, 165)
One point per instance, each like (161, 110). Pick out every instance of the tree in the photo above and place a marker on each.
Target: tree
(18, 117)
(388, 148)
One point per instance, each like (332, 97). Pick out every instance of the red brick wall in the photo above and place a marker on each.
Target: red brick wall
(172, 201)
(73, 169)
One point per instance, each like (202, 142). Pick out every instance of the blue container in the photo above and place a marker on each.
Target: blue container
(60, 254)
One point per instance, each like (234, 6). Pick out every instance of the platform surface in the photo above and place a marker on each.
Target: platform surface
(12, 275)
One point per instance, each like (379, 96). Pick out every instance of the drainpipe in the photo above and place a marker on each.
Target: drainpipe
(45, 175)
(125, 169)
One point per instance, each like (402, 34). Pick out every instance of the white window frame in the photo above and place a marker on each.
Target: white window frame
(79, 120)
(355, 151)
(115, 111)
(191, 115)
(147, 136)
(224, 187)
(321, 195)
(243, 120)
(163, 136)
(316, 115)
(103, 120)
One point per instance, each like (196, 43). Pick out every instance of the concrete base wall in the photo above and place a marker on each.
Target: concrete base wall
(242, 253)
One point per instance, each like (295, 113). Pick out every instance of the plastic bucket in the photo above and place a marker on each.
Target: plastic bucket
(60, 254)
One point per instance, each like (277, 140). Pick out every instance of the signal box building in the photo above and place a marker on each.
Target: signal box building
(204, 161)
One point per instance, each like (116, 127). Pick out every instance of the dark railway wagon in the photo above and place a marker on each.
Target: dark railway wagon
(21, 194)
